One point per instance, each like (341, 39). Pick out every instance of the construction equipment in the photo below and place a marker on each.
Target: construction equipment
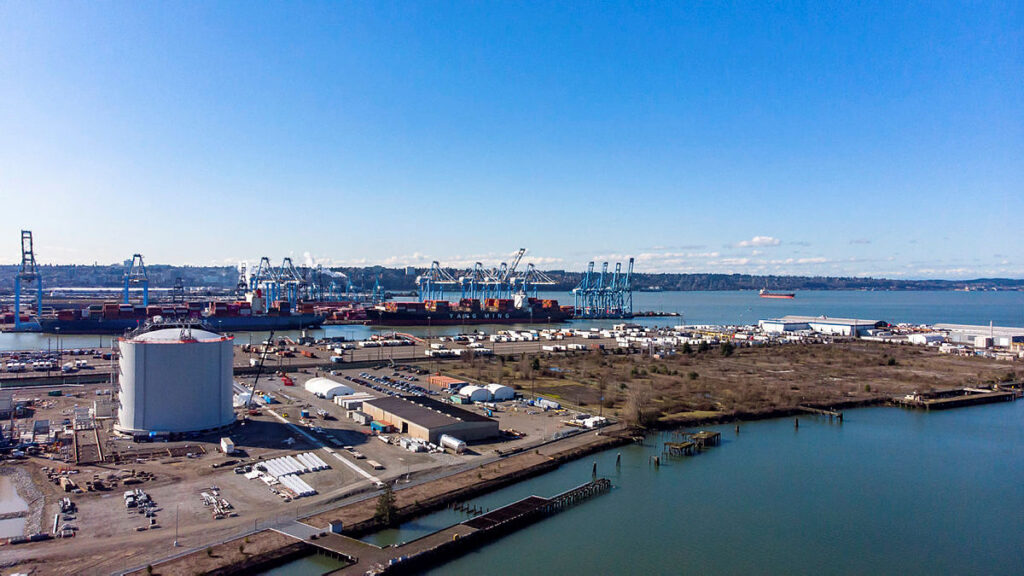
(259, 369)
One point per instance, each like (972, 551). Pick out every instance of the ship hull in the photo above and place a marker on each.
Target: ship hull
(458, 318)
(218, 323)
(779, 296)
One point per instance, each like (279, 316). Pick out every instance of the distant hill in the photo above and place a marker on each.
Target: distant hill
(162, 275)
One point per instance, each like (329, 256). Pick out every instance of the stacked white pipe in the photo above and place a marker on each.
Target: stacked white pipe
(286, 469)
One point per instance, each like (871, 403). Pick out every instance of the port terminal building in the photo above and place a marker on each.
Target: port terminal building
(821, 325)
(984, 336)
(427, 419)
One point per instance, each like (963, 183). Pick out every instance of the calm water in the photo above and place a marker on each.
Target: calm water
(889, 491)
(1002, 308)
(10, 501)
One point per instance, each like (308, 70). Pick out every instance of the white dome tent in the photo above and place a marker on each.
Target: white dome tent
(475, 393)
(500, 392)
(327, 388)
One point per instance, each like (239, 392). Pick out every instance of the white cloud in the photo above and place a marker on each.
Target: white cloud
(759, 241)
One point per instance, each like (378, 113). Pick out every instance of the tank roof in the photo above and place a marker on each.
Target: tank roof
(165, 335)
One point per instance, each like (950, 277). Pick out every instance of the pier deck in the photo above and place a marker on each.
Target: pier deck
(955, 398)
(453, 540)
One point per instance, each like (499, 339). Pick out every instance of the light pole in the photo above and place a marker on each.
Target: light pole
(176, 526)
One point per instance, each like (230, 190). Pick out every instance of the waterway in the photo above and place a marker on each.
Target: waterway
(887, 492)
(11, 501)
(720, 307)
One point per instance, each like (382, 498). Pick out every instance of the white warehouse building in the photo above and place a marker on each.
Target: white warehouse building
(821, 325)
(175, 380)
(327, 388)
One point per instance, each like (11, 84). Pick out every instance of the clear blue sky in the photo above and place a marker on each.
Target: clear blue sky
(881, 139)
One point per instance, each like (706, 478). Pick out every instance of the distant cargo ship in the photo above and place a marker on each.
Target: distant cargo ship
(765, 293)
(249, 315)
(521, 310)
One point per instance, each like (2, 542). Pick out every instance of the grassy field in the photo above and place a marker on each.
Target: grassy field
(714, 383)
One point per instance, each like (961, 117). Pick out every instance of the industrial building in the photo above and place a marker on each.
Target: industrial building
(984, 336)
(427, 419)
(821, 325)
(444, 383)
(174, 380)
(327, 388)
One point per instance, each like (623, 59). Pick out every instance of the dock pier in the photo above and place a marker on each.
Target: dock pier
(955, 398)
(823, 412)
(692, 443)
(412, 557)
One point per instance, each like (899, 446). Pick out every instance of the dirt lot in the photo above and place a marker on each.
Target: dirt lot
(711, 383)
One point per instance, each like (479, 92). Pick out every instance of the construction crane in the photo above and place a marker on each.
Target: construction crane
(259, 368)
(26, 277)
(135, 275)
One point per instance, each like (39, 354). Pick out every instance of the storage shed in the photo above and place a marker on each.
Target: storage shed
(327, 388)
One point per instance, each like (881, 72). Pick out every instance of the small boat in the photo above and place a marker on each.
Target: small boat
(765, 293)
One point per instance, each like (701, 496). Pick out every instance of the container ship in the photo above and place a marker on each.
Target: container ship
(249, 315)
(520, 310)
(765, 293)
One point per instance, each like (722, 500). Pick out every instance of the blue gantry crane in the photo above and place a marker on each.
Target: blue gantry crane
(605, 295)
(27, 278)
(135, 275)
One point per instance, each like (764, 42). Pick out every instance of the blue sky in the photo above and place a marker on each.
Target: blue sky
(880, 139)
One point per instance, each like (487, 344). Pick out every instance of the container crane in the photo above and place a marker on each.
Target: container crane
(265, 278)
(605, 295)
(290, 281)
(135, 275)
(431, 283)
(28, 275)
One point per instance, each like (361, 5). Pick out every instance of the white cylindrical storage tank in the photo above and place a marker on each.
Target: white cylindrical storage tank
(500, 392)
(475, 393)
(327, 388)
(452, 443)
(175, 380)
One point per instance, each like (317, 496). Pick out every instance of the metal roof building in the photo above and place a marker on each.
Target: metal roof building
(821, 325)
(427, 419)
